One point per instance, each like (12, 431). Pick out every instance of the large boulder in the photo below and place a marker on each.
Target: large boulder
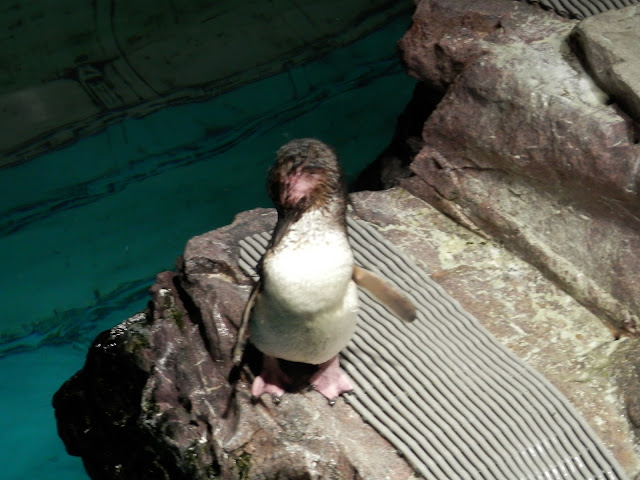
(156, 398)
(526, 148)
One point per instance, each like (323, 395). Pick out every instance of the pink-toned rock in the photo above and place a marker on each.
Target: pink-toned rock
(525, 148)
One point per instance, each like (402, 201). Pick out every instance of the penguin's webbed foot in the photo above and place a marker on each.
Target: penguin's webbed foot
(272, 380)
(330, 380)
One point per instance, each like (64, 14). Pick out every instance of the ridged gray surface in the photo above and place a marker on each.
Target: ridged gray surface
(445, 393)
(582, 8)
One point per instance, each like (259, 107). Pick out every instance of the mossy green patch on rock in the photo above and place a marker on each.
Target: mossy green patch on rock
(178, 317)
(243, 463)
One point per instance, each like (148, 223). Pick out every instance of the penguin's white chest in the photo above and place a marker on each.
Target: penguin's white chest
(310, 277)
(307, 311)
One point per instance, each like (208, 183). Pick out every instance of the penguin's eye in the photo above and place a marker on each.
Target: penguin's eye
(299, 185)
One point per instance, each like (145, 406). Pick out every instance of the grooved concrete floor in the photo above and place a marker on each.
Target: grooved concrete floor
(445, 393)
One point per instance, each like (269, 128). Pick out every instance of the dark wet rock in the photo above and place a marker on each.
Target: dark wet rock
(526, 149)
(154, 400)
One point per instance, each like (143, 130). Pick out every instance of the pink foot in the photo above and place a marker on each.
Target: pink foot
(272, 379)
(330, 380)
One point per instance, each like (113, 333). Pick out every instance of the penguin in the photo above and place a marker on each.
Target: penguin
(304, 308)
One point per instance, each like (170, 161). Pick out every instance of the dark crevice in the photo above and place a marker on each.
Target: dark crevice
(193, 312)
(393, 163)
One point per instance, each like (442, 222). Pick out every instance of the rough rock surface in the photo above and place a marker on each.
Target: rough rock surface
(527, 149)
(154, 401)
(609, 45)
(154, 396)
(530, 315)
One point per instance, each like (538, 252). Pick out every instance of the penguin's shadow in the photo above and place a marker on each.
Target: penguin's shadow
(251, 365)
(299, 373)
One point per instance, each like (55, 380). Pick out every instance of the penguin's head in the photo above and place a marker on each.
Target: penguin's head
(306, 175)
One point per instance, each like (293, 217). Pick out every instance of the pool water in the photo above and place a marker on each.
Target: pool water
(84, 229)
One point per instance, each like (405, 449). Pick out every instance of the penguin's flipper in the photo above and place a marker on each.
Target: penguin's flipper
(241, 341)
(395, 301)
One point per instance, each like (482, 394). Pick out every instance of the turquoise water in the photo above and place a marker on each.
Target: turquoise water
(84, 229)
